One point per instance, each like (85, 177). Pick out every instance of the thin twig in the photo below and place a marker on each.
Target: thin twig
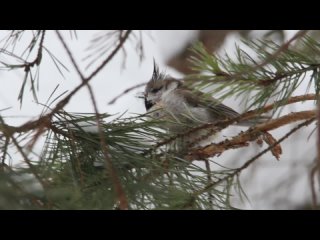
(284, 47)
(27, 65)
(125, 92)
(75, 65)
(112, 54)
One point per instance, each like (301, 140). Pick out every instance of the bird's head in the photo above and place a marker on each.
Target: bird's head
(159, 85)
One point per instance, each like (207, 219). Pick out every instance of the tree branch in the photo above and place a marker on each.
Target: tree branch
(250, 135)
(66, 48)
(65, 101)
(85, 81)
(250, 161)
(284, 47)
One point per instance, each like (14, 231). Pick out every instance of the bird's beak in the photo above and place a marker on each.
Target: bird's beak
(148, 104)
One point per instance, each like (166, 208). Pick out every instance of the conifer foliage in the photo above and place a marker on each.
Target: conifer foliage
(91, 162)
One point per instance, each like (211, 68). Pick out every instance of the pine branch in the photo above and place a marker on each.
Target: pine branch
(250, 135)
(220, 125)
(281, 71)
(250, 161)
(117, 184)
(131, 163)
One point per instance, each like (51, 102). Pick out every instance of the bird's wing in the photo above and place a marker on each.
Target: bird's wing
(199, 99)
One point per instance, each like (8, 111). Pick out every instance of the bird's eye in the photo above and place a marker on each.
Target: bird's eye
(155, 90)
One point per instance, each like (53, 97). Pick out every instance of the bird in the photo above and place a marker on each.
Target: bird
(182, 108)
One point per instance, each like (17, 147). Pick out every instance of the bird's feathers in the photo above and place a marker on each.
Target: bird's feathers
(199, 99)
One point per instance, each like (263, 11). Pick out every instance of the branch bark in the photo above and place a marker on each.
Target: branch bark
(250, 161)
(244, 138)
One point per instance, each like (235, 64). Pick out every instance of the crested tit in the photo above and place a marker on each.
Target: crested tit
(168, 99)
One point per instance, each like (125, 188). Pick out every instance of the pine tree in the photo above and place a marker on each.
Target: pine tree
(91, 162)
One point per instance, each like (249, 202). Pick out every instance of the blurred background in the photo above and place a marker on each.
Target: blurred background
(269, 184)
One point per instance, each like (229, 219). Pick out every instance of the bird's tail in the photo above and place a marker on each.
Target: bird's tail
(254, 121)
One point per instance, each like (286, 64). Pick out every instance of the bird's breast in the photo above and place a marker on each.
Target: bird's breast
(172, 103)
(181, 109)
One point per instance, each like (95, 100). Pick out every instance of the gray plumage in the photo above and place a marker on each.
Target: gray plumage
(167, 98)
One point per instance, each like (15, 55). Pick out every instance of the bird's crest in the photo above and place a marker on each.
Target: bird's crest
(157, 75)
